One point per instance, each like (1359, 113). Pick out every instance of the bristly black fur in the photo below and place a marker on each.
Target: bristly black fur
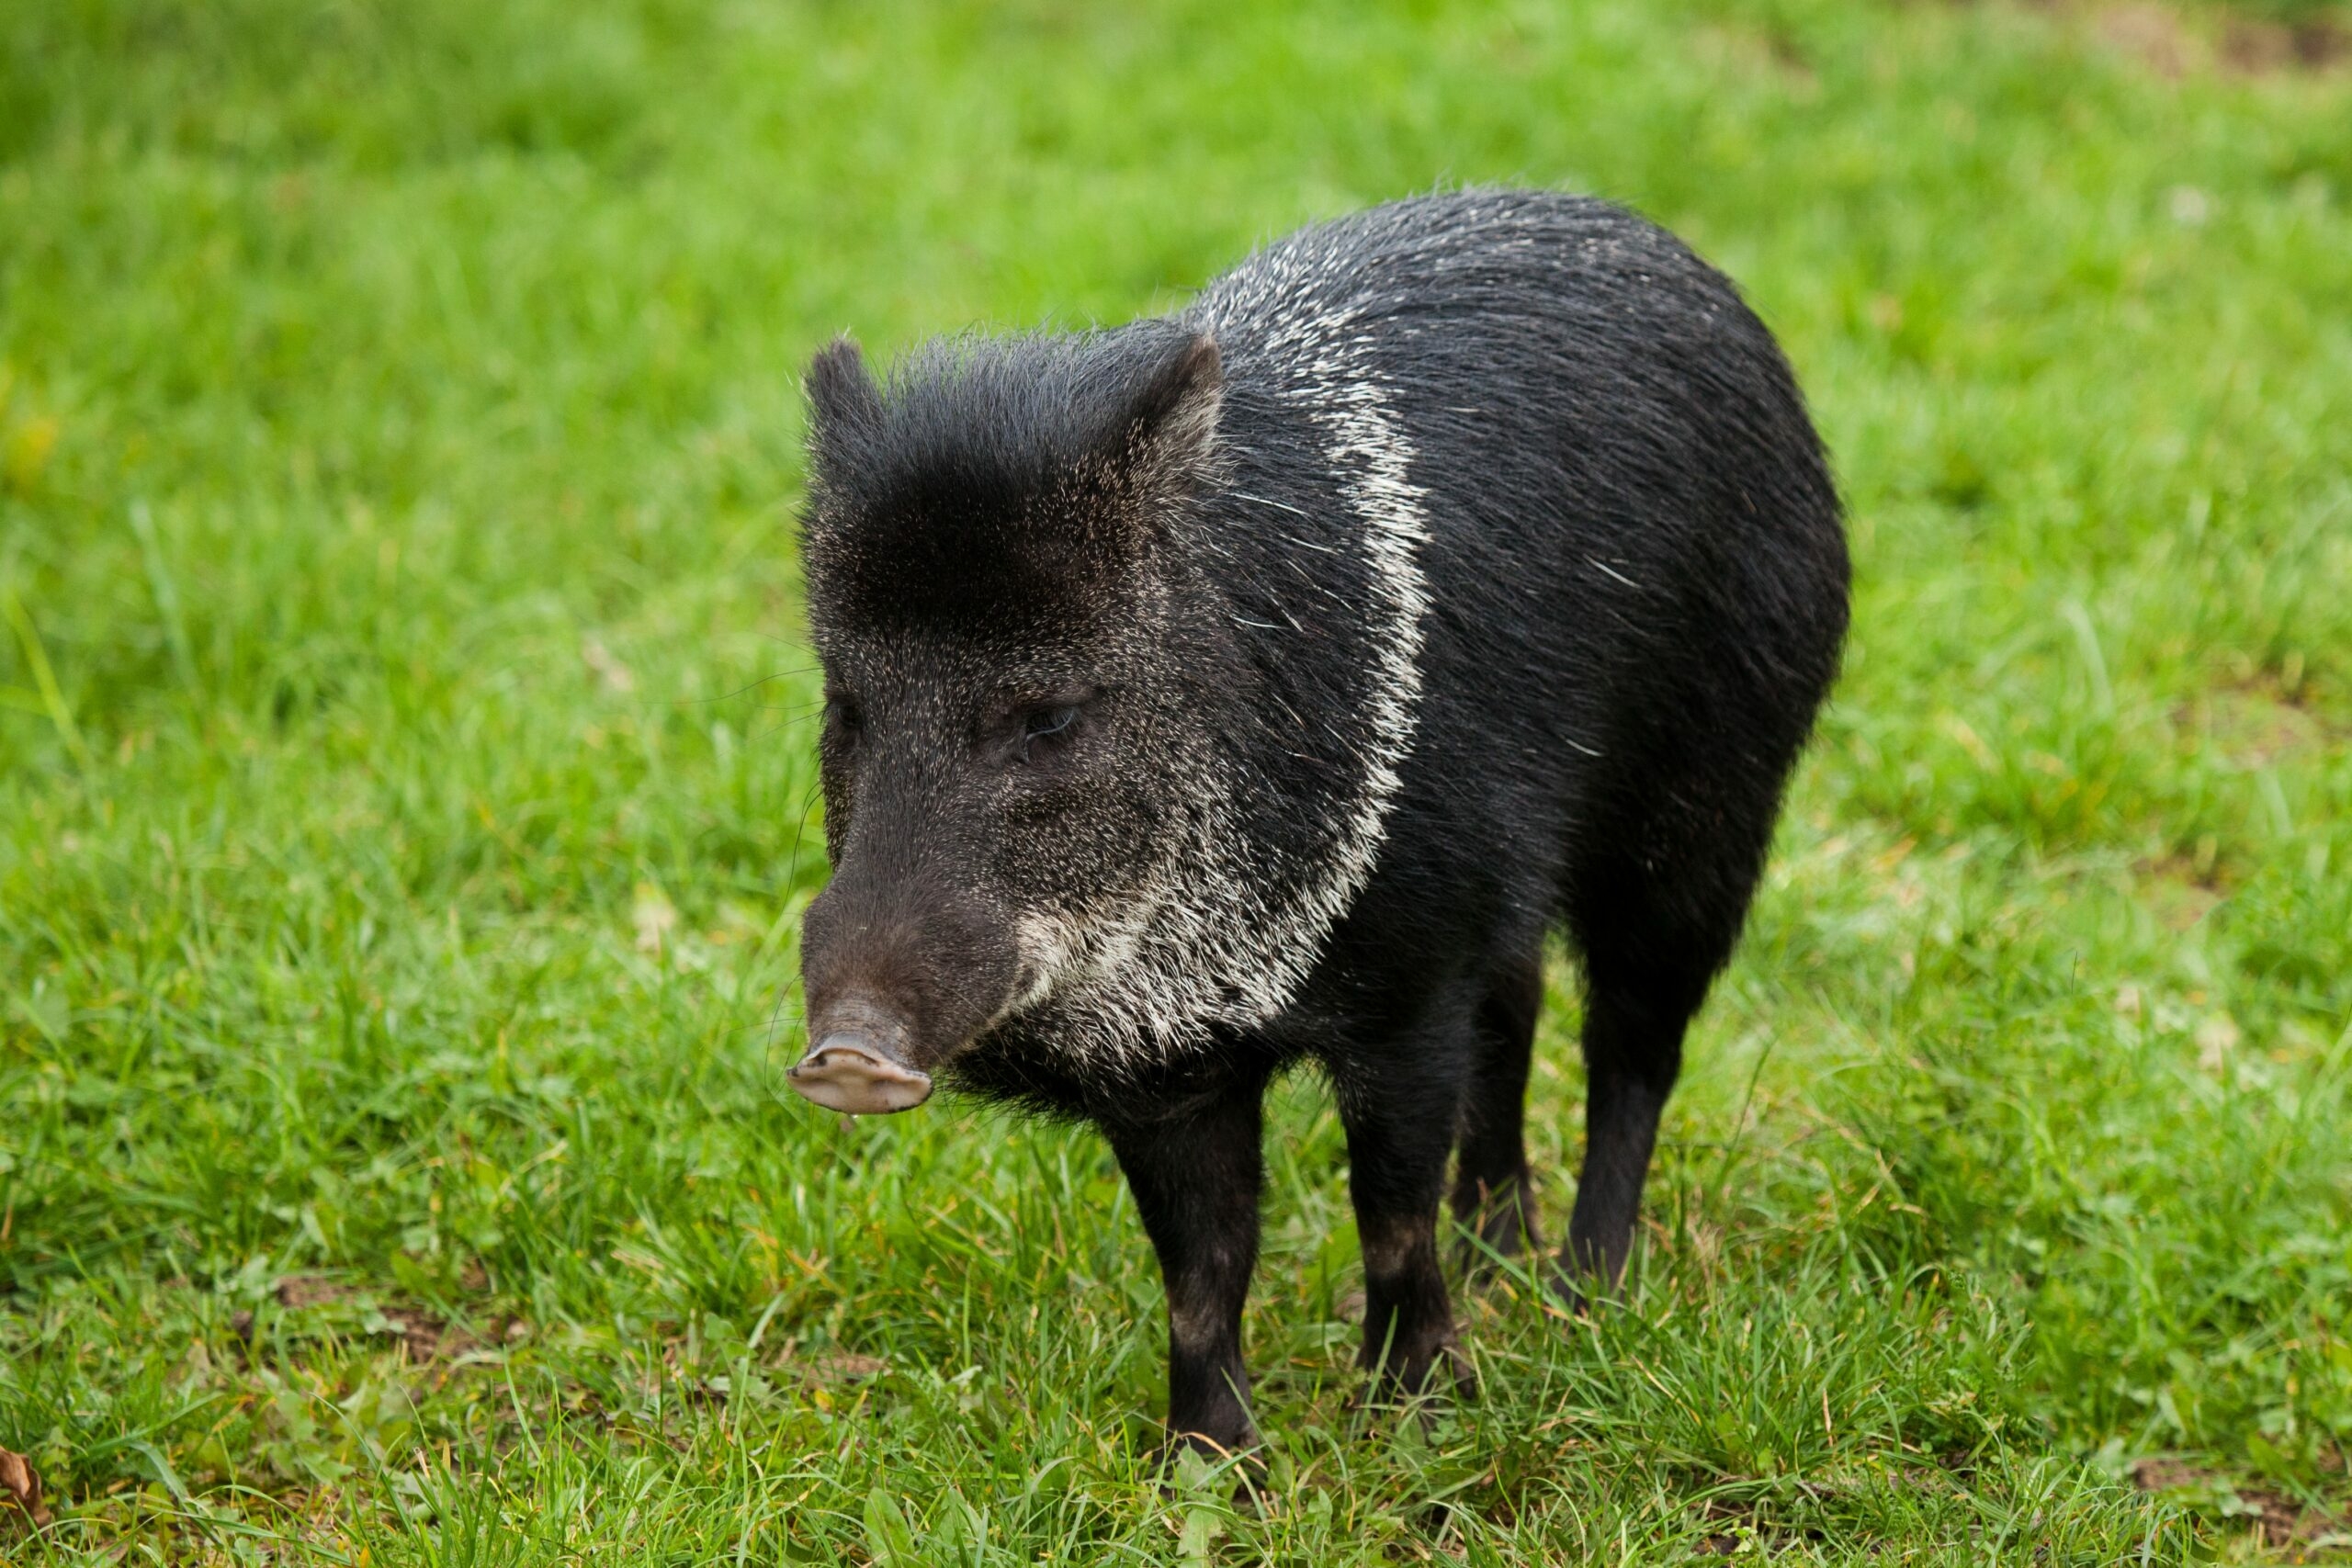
(991, 473)
(1262, 683)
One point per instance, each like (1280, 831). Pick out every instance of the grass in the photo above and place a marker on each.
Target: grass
(406, 794)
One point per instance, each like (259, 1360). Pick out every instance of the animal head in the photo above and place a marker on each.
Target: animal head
(1002, 603)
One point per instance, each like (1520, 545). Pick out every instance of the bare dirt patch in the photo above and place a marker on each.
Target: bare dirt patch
(300, 1291)
(2254, 729)
(2181, 890)
(837, 1368)
(2281, 1523)
(426, 1337)
(2260, 48)
(2249, 719)
(2167, 41)
(2152, 35)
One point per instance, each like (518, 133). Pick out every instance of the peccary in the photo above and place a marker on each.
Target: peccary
(1261, 685)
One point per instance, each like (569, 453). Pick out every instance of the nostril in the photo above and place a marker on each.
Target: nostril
(856, 1041)
(846, 1050)
(848, 1069)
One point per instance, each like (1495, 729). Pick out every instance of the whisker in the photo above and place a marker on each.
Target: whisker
(752, 687)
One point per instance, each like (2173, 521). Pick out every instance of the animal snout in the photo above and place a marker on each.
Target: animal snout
(856, 1062)
(901, 976)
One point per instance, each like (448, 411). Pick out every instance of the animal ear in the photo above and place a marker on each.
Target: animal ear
(841, 389)
(1172, 419)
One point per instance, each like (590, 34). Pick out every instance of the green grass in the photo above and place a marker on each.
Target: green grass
(406, 801)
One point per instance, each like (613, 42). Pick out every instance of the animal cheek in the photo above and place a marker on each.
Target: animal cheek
(1048, 945)
(835, 811)
(1037, 816)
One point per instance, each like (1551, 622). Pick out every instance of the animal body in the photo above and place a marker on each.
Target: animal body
(1260, 685)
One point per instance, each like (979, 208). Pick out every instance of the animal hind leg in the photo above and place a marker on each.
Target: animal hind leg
(1494, 1197)
(1633, 1052)
(1654, 933)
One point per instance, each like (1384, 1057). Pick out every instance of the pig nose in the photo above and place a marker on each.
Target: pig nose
(852, 1068)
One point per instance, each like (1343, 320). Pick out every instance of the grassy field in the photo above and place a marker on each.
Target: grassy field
(407, 796)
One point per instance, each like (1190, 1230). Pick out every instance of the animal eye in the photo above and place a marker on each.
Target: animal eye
(843, 715)
(1048, 721)
(1045, 725)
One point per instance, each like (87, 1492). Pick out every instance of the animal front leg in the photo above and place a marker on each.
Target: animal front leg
(1195, 1179)
(1400, 1135)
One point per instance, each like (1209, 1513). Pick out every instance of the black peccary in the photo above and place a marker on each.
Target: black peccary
(1264, 682)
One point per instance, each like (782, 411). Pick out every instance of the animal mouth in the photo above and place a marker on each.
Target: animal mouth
(847, 1072)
